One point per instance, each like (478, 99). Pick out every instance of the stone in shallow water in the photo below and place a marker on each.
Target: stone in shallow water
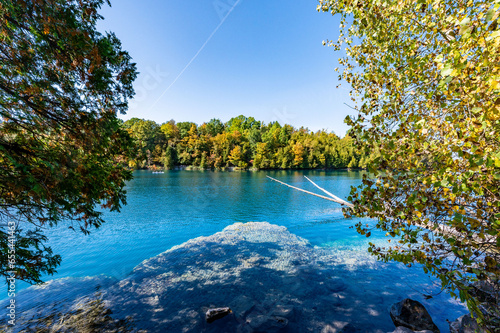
(217, 313)
(413, 315)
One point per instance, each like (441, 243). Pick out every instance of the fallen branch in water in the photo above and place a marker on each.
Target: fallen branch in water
(333, 198)
(342, 202)
(489, 245)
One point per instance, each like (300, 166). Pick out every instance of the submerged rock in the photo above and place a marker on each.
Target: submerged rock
(413, 315)
(218, 313)
(402, 329)
(266, 323)
(58, 301)
(271, 279)
(285, 311)
(242, 305)
(86, 316)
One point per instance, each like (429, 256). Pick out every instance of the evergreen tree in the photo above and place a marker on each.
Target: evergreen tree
(62, 84)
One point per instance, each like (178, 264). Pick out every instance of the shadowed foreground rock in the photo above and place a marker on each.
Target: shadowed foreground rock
(413, 315)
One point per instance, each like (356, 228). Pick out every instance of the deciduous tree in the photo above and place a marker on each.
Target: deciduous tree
(425, 76)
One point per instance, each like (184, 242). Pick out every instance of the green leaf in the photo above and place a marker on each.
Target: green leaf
(465, 21)
(447, 70)
(489, 14)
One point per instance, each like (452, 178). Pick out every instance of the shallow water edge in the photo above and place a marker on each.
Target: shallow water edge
(271, 279)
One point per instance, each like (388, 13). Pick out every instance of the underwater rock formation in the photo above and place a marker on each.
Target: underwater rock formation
(271, 279)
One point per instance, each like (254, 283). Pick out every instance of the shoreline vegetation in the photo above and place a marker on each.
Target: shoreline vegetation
(234, 168)
(242, 143)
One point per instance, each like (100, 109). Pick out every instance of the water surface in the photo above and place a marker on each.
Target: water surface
(168, 209)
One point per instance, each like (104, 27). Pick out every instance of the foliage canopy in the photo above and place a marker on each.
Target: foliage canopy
(425, 75)
(241, 142)
(62, 84)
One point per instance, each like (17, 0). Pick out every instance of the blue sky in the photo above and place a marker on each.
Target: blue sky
(207, 59)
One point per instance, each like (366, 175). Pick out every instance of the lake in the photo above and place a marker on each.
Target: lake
(168, 209)
(165, 210)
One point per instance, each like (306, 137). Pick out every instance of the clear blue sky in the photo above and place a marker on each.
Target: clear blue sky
(205, 59)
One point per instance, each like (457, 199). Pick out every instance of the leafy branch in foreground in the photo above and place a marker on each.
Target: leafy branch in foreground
(62, 84)
(426, 77)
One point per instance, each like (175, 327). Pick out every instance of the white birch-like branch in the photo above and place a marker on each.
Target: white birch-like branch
(333, 198)
(330, 194)
(440, 228)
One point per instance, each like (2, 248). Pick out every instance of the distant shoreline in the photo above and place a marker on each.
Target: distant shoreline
(233, 168)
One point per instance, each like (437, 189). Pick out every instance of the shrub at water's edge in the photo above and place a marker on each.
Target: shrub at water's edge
(242, 143)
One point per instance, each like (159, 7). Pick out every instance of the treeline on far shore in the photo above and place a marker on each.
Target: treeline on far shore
(242, 142)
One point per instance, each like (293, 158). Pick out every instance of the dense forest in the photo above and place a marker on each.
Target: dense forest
(242, 142)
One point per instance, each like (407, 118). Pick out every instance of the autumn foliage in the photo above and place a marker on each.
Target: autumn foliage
(425, 75)
(242, 142)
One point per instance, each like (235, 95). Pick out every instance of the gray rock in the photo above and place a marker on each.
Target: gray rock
(242, 305)
(217, 313)
(486, 291)
(465, 324)
(413, 315)
(402, 329)
(266, 323)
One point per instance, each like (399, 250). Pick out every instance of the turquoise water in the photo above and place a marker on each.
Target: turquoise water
(168, 209)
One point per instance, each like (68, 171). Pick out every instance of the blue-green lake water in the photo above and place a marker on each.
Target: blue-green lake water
(168, 209)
